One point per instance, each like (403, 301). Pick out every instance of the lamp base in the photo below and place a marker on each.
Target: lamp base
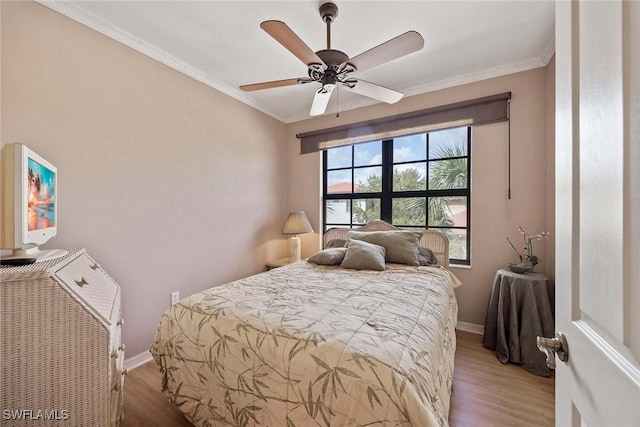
(294, 248)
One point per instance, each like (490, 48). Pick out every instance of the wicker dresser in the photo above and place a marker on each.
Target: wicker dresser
(61, 356)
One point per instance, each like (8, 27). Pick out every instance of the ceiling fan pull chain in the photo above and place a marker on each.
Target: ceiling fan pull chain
(337, 101)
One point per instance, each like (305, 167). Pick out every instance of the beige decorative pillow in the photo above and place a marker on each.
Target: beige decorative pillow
(363, 256)
(401, 246)
(332, 256)
(336, 243)
(426, 256)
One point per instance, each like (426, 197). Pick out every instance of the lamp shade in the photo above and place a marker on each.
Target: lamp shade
(297, 223)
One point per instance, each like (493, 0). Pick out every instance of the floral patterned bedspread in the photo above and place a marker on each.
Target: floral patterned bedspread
(308, 345)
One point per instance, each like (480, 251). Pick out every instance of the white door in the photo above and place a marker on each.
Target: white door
(598, 212)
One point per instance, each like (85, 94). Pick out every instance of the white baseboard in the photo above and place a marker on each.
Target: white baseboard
(137, 360)
(470, 327)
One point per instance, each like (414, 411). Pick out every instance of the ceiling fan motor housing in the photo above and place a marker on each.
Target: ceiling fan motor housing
(328, 12)
(333, 59)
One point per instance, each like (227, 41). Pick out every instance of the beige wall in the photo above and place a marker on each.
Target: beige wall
(168, 183)
(493, 216)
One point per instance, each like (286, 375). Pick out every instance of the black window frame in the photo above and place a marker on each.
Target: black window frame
(387, 194)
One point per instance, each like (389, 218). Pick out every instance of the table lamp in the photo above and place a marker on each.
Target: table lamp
(297, 223)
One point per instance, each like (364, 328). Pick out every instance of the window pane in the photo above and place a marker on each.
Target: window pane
(448, 174)
(410, 148)
(448, 211)
(410, 177)
(339, 182)
(339, 157)
(338, 212)
(368, 180)
(408, 211)
(448, 143)
(369, 153)
(365, 210)
(457, 242)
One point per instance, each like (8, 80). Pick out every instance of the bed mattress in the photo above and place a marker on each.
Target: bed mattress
(314, 345)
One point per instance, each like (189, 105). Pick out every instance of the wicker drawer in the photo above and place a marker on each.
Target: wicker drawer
(85, 278)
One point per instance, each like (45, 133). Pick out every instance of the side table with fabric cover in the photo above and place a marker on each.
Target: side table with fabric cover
(520, 309)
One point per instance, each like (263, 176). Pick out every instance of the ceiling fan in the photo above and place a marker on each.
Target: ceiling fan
(331, 67)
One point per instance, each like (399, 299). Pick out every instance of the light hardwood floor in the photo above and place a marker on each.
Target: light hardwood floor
(485, 393)
(488, 393)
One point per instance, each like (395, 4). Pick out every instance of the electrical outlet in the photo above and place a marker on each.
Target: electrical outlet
(175, 297)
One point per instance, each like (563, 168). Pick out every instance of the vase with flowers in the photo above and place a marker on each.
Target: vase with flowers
(527, 258)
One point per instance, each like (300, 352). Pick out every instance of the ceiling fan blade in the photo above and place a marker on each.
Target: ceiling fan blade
(404, 44)
(321, 100)
(374, 91)
(275, 83)
(290, 40)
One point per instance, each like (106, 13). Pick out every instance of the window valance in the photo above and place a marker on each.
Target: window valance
(489, 109)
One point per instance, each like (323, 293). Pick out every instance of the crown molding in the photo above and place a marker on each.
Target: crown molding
(549, 51)
(476, 76)
(92, 21)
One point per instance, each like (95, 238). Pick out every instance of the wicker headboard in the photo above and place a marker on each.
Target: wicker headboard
(432, 239)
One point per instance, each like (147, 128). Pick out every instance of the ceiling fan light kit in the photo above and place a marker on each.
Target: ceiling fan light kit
(331, 67)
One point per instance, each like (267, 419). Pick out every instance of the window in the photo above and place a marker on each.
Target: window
(413, 181)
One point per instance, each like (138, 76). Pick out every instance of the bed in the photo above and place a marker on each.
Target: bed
(316, 345)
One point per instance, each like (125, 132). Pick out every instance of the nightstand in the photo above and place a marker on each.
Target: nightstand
(279, 263)
(521, 307)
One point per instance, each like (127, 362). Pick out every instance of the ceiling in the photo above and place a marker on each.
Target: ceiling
(220, 43)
